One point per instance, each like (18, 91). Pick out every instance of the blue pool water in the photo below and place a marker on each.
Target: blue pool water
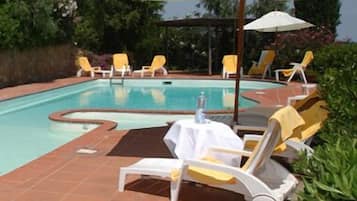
(26, 131)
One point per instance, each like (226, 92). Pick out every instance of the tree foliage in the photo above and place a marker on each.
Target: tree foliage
(321, 13)
(218, 8)
(25, 23)
(330, 173)
(260, 7)
(118, 25)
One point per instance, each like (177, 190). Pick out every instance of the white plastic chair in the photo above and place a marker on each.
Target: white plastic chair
(297, 68)
(157, 63)
(85, 66)
(259, 179)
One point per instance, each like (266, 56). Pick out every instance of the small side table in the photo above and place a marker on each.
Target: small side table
(189, 140)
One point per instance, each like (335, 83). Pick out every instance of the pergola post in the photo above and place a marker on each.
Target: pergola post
(209, 51)
(167, 46)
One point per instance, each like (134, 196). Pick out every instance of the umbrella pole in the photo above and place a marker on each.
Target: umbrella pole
(240, 47)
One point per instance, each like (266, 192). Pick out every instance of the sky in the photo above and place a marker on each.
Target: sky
(346, 30)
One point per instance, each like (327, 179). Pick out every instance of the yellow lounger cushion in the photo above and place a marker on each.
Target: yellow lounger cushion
(254, 70)
(230, 63)
(267, 58)
(314, 118)
(209, 176)
(175, 174)
(287, 72)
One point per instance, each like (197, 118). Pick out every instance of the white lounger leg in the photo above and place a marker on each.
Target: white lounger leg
(292, 75)
(303, 76)
(79, 72)
(121, 183)
(159, 167)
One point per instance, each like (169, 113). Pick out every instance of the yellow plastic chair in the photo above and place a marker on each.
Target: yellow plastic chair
(297, 68)
(85, 66)
(262, 67)
(229, 65)
(121, 64)
(157, 63)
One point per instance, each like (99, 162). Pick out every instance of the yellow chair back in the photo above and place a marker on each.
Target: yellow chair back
(309, 56)
(84, 64)
(266, 59)
(158, 62)
(120, 61)
(230, 63)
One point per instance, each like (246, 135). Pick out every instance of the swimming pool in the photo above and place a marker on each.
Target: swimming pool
(27, 133)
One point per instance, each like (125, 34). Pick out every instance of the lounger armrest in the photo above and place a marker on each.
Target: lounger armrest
(214, 166)
(97, 68)
(238, 173)
(236, 128)
(251, 138)
(299, 146)
(251, 183)
(294, 63)
(279, 70)
(229, 151)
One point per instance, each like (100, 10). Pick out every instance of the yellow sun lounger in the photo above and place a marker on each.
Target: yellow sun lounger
(86, 67)
(121, 64)
(297, 68)
(314, 112)
(262, 67)
(157, 63)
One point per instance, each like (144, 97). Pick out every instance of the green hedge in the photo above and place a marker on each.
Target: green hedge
(36, 65)
(336, 56)
(331, 173)
(337, 66)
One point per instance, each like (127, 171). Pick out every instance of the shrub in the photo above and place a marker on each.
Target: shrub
(331, 172)
(337, 66)
(293, 45)
(336, 56)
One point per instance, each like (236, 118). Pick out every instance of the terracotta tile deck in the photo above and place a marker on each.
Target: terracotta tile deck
(64, 175)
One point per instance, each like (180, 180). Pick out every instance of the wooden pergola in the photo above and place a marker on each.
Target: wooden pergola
(200, 22)
(236, 22)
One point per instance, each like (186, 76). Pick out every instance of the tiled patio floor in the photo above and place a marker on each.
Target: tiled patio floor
(64, 175)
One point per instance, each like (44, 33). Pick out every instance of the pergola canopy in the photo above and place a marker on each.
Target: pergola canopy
(202, 22)
(198, 22)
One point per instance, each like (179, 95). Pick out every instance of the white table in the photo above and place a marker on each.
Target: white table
(189, 140)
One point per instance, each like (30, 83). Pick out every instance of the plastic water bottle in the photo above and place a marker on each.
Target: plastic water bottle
(201, 106)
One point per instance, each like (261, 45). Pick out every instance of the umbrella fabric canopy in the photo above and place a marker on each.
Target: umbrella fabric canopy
(277, 21)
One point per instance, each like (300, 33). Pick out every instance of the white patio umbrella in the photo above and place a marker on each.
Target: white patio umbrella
(277, 21)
